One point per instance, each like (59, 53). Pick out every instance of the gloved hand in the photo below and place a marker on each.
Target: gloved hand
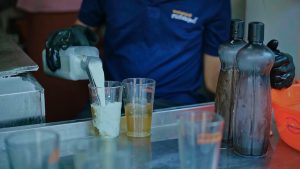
(283, 70)
(61, 39)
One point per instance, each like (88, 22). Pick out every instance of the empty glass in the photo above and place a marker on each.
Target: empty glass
(95, 153)
(141, 152)
(33, 150)
(200, 135)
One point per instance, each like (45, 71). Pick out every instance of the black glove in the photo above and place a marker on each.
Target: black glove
(283, 70)
(61, 39)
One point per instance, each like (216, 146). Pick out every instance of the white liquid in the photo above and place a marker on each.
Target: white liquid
(107, 119)
(97, 75)
(106, 116)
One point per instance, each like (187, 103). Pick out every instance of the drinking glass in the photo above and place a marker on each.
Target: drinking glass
(106, 103)
(138, 103)
(200, 134)
(33, 149)
(95, 153)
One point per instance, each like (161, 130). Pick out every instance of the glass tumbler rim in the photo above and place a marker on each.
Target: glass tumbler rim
(116, 84)
(12, 139)
(146, 81)
(187, 116)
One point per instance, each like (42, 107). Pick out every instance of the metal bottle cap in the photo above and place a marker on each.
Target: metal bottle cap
(256, 32)
(237, 29)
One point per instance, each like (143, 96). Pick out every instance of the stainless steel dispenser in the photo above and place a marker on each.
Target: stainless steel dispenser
(21, 96)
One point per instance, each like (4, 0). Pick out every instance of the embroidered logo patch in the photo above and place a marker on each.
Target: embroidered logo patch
(183, 16)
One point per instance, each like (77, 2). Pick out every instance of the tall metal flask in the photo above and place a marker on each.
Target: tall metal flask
(227, 78)
(252, 110)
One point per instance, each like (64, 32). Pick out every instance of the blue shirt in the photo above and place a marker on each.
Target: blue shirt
(160, 39)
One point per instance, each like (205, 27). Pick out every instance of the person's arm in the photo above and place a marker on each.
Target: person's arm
(91, 15)
(78, 22)
(212, 67)
(216, 32)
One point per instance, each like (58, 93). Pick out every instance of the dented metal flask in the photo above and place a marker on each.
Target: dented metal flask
(227, 78)
(252, 111)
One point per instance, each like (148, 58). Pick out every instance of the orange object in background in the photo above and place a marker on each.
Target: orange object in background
(286, 105)
(284, 157)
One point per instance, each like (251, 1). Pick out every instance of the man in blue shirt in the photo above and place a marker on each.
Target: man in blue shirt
(174, 42)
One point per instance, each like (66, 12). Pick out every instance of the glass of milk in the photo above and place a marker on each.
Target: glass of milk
(106, 103)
